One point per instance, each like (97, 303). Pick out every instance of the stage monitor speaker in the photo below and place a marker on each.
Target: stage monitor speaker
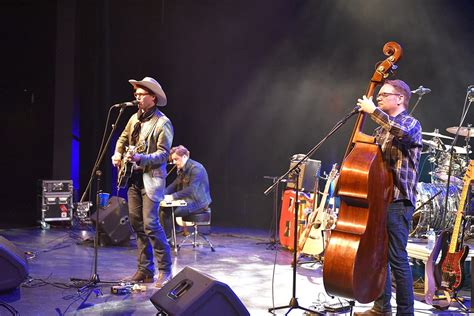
(13, 265)
(114, 227)
(309, 172)
(194, 293)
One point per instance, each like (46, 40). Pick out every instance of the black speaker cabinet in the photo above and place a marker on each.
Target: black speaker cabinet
(309, 172)
(114, 226)
(194, 293)
(13, 265)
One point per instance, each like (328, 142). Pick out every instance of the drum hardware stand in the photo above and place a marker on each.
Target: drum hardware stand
(295, 171)
(273, 243)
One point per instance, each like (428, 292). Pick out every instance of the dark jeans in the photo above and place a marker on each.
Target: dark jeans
(151, 238)
(398, 222)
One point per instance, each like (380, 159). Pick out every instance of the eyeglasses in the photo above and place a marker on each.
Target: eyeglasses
(136, 95)
(386, 94)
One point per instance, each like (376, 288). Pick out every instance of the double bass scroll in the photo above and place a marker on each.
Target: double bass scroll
(355, 261)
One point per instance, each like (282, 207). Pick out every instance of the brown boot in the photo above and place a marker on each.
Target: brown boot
(372, 312)
(140, 276)
(163, 278)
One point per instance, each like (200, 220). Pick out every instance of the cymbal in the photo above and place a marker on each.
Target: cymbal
(463, 131)
(458, 150)
(433, 144)
(435, 134)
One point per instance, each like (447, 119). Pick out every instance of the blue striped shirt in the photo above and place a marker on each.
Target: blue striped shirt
(401, 141)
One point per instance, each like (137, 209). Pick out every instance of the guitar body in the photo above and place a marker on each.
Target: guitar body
(126, 166)
(287, 217)
(315, 243)
(124, 174)
(355, 260)
(452, 268)
(311, 240)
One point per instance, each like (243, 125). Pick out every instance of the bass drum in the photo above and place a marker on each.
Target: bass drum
(430, 211)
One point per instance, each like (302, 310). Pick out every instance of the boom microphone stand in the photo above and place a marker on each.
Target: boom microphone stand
(295, 171)
(272, 244)
(94, 279)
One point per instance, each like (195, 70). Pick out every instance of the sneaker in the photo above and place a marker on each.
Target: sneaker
(163, 278)
(141, 276)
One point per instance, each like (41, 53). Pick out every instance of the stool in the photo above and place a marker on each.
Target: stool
(197, 219)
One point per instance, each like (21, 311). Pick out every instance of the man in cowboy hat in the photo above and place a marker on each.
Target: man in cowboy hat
(151, 131)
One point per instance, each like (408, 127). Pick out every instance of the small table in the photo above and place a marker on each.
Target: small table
(173, 204)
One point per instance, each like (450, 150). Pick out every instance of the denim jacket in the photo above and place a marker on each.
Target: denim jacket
(191, 185)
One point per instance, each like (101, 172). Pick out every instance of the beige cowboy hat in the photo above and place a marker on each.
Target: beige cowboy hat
(154, 86)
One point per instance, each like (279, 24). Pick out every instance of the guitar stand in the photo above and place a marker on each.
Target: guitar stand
(315, 260)
(459, 301)
(340, 307)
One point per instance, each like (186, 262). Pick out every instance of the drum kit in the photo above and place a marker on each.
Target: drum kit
(431, 210)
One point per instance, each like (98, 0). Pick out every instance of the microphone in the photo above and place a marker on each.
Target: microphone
(126, 104)
(421, 91)
(470, 89)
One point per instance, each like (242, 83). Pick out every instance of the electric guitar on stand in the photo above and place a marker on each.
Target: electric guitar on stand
(452, 259)
(313, 242)
(126, 166)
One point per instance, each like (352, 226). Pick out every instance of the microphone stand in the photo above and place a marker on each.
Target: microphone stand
(94, 279)
(295, 171)
(420, 96)
(469, 98)
(272, 244)
(102, 148)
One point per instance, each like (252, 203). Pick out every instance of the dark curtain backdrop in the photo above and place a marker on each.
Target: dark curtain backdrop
(250, 83)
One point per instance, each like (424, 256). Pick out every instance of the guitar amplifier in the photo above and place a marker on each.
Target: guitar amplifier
(56, 200)
(309, 172)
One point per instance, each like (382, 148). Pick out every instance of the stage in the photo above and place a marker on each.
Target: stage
(258, 274)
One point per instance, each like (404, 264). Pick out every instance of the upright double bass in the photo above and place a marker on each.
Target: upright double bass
(355, 260)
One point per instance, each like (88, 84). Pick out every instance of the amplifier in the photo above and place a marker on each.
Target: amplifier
(57, 186)
(309, 173)
(56, 200)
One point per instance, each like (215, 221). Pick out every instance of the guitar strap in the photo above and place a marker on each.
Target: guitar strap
(151, 126)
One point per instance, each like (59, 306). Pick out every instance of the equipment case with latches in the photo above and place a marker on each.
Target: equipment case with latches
(56, 200)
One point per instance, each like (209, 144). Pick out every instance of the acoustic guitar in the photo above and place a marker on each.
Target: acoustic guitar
(312, 238)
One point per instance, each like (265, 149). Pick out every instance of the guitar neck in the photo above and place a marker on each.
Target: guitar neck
(459, 214)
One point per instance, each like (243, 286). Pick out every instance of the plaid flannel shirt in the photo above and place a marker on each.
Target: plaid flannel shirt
(401, 141)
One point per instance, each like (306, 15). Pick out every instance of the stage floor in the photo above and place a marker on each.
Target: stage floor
(260, 275)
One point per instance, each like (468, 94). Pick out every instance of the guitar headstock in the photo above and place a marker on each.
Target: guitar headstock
(469, 172)
(333, 173)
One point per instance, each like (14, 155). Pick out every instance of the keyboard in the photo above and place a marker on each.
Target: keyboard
(174, 203)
